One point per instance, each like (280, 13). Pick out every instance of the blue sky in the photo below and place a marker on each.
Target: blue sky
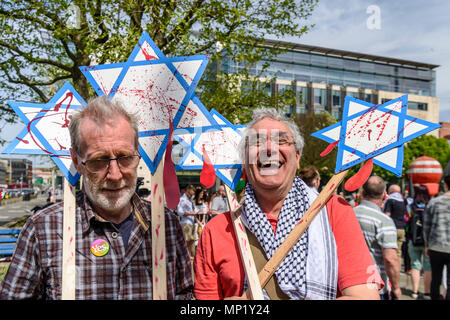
(417, 30)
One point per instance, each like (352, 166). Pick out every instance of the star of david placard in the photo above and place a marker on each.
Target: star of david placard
(46, 131)
(155, 87)
(374, 131)
(221, 146)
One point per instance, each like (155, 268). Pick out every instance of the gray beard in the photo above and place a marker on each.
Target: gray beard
(100, 200)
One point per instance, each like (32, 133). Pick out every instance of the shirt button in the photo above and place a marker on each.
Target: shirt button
(114, 235)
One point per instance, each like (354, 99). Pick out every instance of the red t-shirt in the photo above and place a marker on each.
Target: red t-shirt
(219, 272)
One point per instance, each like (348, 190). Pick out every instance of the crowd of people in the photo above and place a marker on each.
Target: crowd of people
(349, 251)
(196, 207)
(415, 225)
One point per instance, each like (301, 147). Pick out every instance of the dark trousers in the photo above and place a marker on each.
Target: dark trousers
(438, 260)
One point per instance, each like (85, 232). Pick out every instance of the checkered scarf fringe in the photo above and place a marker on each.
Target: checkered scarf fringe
(293, 267)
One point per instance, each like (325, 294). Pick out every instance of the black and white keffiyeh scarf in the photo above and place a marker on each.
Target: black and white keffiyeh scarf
(309, 271)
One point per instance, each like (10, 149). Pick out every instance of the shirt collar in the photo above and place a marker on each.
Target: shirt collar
(141, 212)
(370, 205)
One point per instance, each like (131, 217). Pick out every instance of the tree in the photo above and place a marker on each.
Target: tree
(437, 148)
(308, 124)
(44, 42)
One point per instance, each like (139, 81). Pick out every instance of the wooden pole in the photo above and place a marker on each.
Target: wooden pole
(299, 229)
(159, 273)
(254, 286)
(69, 237)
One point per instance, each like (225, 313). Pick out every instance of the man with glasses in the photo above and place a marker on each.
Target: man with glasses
(113, 228)
(331, 259)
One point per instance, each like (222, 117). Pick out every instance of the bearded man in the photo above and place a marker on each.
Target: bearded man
(104, 138)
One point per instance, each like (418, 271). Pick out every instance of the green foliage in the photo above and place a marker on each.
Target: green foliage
(428, 145)
(42, 43)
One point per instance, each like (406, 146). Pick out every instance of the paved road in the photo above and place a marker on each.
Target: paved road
(14, 211)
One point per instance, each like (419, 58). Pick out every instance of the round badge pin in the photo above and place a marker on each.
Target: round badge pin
(99, 247)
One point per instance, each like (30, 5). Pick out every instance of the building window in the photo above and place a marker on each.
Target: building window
(368, 97)
(351, 79)
(320, 97)
(336, 97)
(302, 97)
(417, 106)
(353, 94)
(335, 77)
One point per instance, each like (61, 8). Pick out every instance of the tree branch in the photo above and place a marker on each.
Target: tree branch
(30, 58)
(23, 80)
(186, 24)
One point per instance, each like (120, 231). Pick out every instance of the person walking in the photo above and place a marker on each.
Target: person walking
(380, 234)
(395, 208)
(186, 211)
(419, 261)
(436, 229)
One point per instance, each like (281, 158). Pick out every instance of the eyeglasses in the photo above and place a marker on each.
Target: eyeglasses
(101, 165)
(280, 139)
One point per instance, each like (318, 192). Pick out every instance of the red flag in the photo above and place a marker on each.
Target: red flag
(208, 174)
(360, 177)
(170, 180)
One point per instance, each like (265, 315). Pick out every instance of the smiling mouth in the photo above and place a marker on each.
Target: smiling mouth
(269, 164)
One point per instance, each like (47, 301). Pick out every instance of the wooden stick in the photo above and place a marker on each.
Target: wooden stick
(159, 273)
(299, 229)
(254, 286)
(69, 234)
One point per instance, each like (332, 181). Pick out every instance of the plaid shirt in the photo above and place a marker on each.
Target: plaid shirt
(35, 270)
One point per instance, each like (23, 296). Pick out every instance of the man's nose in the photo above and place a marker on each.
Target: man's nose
(114, 172)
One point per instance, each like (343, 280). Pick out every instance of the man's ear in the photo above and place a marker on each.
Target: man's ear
(75, 160)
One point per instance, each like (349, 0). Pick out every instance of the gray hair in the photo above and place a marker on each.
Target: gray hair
(102, 110)
(271, 113)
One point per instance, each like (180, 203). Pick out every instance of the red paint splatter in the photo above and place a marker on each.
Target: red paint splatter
(61, 147)
(147, 55)
(161, 256)
(22, 140)
(64, 125)
(157, 230)
(360, 177)
(240, 226)
(368, 133)
(317, 206)
(332, 186)
(329, 148)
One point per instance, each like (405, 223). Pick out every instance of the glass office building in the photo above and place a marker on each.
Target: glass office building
(322, 77)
